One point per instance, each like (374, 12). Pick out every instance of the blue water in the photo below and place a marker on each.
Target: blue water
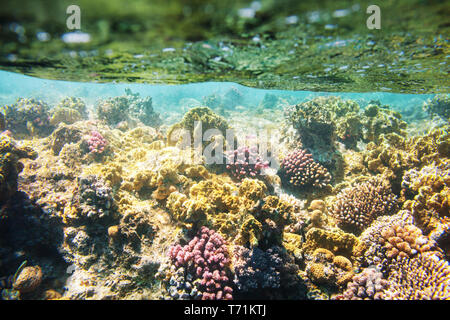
(168, 97)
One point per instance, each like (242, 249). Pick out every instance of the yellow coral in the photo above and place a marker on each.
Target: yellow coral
(335, 241)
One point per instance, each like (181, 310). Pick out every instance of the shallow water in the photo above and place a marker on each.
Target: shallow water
(203, 150)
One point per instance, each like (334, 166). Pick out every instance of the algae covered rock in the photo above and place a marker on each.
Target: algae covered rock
(69, 110)
(439, 105)
(10, 167)
(130, 108)
(28, 117)
(201, 119)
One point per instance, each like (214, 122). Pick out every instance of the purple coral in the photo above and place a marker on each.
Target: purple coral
(96, 142)
(369, 285)
(265, 274)
(244, 162)
(300, 170)
(205, 259)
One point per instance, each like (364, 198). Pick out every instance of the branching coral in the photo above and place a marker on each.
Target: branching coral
(356, 207)
(265, 274)
(366, 285)
(390, 238)
(202, 266)
(300, 170)
(245, 162)
(425, 277)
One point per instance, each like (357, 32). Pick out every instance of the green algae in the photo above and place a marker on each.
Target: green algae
(287, 44)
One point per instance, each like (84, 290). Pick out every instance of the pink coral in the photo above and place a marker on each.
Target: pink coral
(244, 162)
(205, 257)
(96, 142)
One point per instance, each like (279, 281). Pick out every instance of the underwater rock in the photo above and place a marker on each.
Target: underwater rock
(129, 108)
(69, 110)
(28, 279)
(440, 105)
(10, 166)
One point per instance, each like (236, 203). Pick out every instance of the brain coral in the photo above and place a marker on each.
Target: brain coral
(300, 170)
(425, 277)
(356, 207)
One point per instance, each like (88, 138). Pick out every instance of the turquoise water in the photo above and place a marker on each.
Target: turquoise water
(167, 97)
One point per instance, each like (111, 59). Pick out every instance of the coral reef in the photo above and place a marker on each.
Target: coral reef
(114, 208)
(378, 120)
(300, 170)
(356, 207)
(430, 187)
